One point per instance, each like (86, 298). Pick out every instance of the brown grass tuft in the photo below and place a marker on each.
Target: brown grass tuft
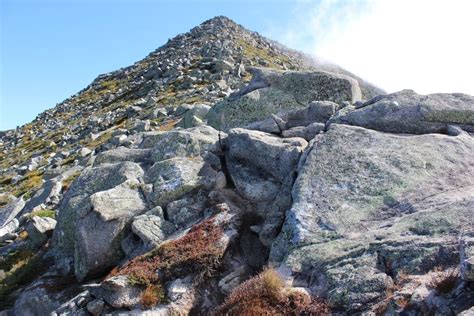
(444, 281)
(265, 294)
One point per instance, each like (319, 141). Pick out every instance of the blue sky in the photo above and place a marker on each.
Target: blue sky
(50, 49)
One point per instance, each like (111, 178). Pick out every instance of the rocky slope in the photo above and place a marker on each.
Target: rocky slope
(225, 174)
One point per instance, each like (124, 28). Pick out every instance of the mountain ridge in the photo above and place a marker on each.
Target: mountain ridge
(224, 174)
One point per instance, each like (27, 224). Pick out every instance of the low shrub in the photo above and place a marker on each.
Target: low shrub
(196, 252)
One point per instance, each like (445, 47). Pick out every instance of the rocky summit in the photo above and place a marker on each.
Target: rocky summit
(225, 174)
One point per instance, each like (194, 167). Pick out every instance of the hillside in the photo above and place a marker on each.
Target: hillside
(226, 174)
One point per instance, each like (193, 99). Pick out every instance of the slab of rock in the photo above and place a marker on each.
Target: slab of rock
(40, 229)
(117, 292)
(82, 232)
(121, 153)
(11, 210)
(271, 92)
(466, 250)
(258, 162)
(48, 194)
(181, 143)
(7, 232)
(172, 178)
(152, 228)
(369, 205)
(408, 112)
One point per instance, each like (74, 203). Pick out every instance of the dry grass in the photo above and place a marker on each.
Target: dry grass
(444, 281)
(196, 252)
(152, 295)
(265, 294)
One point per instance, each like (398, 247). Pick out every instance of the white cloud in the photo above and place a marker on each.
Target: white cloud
(427, 46)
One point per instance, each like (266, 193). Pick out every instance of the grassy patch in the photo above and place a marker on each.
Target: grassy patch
(30, 183)
(43, 213)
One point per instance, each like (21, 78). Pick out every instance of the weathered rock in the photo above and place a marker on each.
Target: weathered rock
(271, 92)
(99, 233)
(11, 210)
(408, 112)
(121, 154)
(172, 178)
(186, 210)
(359, 216)
(152, 228)
(49, 194)
(466, 250)
(258, 162)
(79, 224)
(118, 292)
(35, 302)
(181, 143)
(40, 229)
(95, 307)
(8, 231)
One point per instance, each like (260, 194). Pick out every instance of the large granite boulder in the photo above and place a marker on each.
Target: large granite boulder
(259, 162)
(122, 153)
(92, 217)
(172, 178)
(272, 92)
(408, 112)
(369, 205)
(190, 142)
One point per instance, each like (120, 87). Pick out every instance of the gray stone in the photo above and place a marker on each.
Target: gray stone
(11, 210)
(99, 233)
(359, 216)
(258, 162)
(181, 143)
(83, 152)
(466, 250)
(408, 112)
(152, 228)
(40, 229)
(96, 307)
(118, 292)
(76, 218)
(172, 178)
(272, 92)
(48, 194)
(121, 153)
(7, 232)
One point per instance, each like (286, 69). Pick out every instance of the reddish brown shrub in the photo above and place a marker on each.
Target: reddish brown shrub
(199, 251)
(152, 295)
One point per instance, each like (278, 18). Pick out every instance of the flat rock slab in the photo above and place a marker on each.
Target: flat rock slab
(408, 112)
(368, 204)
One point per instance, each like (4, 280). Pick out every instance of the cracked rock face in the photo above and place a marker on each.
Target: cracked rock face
(358, 214)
